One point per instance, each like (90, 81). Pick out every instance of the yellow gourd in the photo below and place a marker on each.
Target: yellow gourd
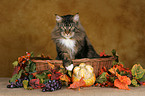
(85, 71)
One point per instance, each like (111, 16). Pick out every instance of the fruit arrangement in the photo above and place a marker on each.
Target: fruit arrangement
(26, 76)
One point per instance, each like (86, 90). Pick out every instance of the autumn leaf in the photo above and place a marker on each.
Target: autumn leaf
(142, 79)
(103, 54)
(113, 70)
(125, 79)
(55, 76)
(41, 76)
(62, 69)
(70, 73)
(51, 65)
(120, 85)
(15, 63)
(134, 82)
(65, 78)
(110, 84)
(77, 84)
(16, 70)
(122, 82)
(96, 84)
(25, 84)
(102, 78)
(49, 76)
(28, 55)
(16, 76)
(137, 71)
(35, 83)
(121, 68)
(34, 74)
(143, 83)
(103, 70)
(112, 78)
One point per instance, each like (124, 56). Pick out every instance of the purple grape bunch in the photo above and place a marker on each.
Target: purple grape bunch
(12, 85)
(18, 83)
(52, 85)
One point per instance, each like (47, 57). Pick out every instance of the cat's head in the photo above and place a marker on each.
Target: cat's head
(67, 25)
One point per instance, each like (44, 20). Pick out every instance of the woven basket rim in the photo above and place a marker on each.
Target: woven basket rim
(83, 60)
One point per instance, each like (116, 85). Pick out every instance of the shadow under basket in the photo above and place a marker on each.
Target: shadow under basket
(97, 63)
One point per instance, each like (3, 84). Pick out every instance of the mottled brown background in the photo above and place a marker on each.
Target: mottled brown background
(25, 25)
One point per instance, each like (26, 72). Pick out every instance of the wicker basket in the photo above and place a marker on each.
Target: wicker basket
(97, 63)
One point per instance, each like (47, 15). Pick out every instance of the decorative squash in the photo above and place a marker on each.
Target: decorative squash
(85, 71)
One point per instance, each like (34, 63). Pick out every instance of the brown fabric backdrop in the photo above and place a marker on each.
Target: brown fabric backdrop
(25, 25)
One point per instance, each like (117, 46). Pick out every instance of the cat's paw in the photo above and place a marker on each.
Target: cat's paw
(70, 67)
(68, 64)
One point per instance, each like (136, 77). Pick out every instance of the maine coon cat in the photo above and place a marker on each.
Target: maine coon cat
(71, 40)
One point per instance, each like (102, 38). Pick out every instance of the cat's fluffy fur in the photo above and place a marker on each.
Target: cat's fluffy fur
(71, 43)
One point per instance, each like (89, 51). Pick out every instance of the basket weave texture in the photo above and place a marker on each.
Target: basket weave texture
(97, 63)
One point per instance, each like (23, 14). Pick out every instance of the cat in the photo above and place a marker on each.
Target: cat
(71, 40)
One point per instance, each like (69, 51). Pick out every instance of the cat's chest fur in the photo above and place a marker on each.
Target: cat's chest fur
(68, 43)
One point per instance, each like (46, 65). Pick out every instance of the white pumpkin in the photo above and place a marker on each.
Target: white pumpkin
(85, 71)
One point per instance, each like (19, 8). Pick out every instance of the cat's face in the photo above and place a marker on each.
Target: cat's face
(67, 25)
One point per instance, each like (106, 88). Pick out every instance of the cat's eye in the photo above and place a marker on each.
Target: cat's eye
(64, 27)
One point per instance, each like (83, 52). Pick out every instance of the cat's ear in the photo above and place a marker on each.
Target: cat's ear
(58, 18)
(76, 17)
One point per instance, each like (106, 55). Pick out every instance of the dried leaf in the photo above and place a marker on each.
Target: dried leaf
(56, 75)
(110, 84)
(102, 78)
(34, 74)
(16, 70)
(32, 67)
(70, 73)
(103, 70)
(35, 83)
(62, 69)
(122, 82)
(15, 63)
(143, 83)
(41, 76)
(16, 76)
(121, 68)
(27, 69)
(49, 76)
(137, 71)
(134, 82)
(113, 70)
(112, 78)
(114, 52)
(103, 54)
(31, 54)
(96, 84)
(65, 78)
(78, 84)
(25, 84)
(51, 65)
(30, 77)
(120, 85)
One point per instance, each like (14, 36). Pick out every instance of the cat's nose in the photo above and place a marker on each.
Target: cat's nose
(67, 32)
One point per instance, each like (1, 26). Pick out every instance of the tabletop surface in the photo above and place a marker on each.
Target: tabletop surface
(87, 91)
